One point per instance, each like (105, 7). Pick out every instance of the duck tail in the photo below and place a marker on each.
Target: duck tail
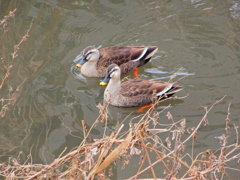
(173, 90)
(169, 91)
(151, 50)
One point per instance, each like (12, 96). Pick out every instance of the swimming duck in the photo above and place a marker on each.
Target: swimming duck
(136, 92)
(94, 62)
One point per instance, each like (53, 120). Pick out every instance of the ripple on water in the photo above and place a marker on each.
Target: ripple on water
(235, 9)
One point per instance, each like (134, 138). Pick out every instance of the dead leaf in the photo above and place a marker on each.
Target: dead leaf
(112, 156)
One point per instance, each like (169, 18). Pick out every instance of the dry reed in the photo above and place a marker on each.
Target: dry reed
(94, 159)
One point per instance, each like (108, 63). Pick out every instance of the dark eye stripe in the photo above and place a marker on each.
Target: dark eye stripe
(88, 53)
(114, 69)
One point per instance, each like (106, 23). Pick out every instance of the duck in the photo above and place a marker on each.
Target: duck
(136, 92)
(94, 62)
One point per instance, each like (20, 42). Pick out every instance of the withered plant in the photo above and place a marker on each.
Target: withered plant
(13, 92)
(94, 159)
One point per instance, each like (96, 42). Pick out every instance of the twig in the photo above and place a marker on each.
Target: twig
(15, 53)
(201, 121)
(149, 160)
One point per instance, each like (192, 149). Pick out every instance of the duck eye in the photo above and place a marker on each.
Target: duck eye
(113, 70)
(90, 52)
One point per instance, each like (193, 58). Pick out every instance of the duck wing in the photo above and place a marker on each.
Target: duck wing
(123, 54)
(140, 87)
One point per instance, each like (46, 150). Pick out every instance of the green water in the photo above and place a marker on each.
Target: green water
(47, 97)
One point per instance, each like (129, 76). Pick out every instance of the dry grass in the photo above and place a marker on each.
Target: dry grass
(8, 65)
(94, 159)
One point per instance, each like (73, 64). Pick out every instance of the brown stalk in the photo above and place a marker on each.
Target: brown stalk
(148, 158)
(142, 162)
(15, 53)
(138, 135)
(57, 161)
(191, 135)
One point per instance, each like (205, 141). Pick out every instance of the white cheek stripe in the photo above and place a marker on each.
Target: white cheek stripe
(115, 73)
(89, 56)
(93, 50)
(143, 53)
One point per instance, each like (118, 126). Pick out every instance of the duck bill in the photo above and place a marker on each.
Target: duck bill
(106, 80)
(83, 60)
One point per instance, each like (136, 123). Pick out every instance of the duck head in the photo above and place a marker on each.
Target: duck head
(90, 54)
(113, 73)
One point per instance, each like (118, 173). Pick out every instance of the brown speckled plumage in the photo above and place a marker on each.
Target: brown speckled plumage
(126, 57)
(135, 92)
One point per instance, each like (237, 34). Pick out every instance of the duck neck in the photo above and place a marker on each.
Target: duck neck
(89, 69)
(113, 87)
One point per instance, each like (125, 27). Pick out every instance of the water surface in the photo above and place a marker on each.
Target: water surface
(52, 97)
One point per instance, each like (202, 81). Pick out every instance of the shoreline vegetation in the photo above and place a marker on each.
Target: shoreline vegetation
(97, 158)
